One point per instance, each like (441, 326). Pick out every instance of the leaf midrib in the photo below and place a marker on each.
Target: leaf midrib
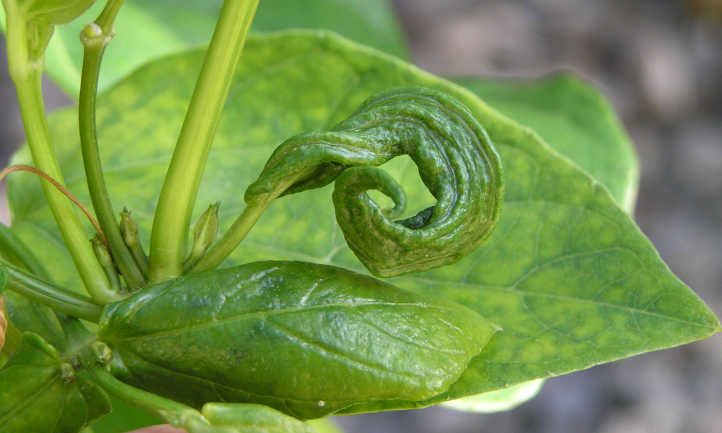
(266, 313)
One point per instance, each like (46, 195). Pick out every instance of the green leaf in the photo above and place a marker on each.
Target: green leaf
(52, 11)
(33, 317)
(41, 393)
(573, 118)
(576, 120)
(147, 30)
(3, 319)
(307, 339)
(124, 418)
(39, 18)
(324, 425)
(567, 274)
(22, 313)
(248, 418)
(497, 401)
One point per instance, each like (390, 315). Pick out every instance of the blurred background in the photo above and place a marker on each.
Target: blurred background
(660, 63)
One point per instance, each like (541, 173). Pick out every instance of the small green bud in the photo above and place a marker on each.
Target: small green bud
(129, 231)
(101, 251)
(67, 372)
(102, 353)
(128, 228)
(204, 233)
(106, 261)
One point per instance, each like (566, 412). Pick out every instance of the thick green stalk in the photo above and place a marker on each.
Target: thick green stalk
(177, 198)
(95, 38)
(26, 72)
(175, 413)
(55, 297)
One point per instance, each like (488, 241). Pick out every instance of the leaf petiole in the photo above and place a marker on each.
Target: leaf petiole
(95, 37)
(176, 414)
(51, 295)
(178, 195)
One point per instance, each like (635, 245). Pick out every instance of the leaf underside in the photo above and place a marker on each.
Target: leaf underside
(566, 274)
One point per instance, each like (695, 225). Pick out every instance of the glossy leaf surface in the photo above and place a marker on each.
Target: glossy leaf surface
(40, 393)
(147, 30)
(574, 119)
(306, 339)
(566, 274)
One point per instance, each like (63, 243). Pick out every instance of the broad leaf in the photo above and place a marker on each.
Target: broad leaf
(566, 274)
(574, 119)
(306, 339)
(41, 393)
(146, 30)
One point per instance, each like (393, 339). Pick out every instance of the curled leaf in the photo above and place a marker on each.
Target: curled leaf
(456, 160)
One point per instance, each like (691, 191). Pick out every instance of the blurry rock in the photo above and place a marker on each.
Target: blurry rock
(481, 41)
(698, 158)
(664, 73)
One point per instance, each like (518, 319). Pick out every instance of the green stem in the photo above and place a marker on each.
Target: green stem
(171, 411)
(95, 38)
(177, 198)
(55, 297)
(230, 240)
(241, 226)
(26, 73)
